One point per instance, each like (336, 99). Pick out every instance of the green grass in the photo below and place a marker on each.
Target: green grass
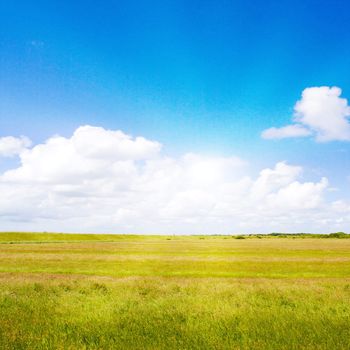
(61, 291)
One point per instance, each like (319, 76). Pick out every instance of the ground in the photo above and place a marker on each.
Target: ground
(164, 292)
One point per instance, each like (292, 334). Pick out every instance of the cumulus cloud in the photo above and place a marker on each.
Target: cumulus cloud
(320, 112)
(91, 153)
(298, 195)
(271, 180)
(96, 142)
(11, 146)
(295, 130)
(102, 180)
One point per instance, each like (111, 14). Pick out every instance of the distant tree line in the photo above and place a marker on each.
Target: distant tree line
(296, 235)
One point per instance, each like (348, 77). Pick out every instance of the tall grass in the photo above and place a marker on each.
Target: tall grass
(183, 293)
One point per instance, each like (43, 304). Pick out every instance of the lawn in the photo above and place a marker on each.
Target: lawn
(61, 291)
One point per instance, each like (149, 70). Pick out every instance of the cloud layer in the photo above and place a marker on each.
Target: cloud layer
(321, 112)
(11, 146)
(101, 180)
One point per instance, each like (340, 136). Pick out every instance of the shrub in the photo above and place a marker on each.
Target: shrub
(338, 235)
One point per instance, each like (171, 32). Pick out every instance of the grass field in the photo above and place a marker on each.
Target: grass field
(60, 291)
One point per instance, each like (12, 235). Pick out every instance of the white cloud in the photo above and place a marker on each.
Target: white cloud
(271, 180)
(11, 146)
(294, 130)
(320, 112)
(298, 195)
(88, 154)
(96, 142)
(106, 181)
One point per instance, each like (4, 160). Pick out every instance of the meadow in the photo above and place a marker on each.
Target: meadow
(68, 291)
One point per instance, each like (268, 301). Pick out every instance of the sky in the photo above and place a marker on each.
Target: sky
(175, 117)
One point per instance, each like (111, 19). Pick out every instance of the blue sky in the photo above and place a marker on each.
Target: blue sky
(197, 76)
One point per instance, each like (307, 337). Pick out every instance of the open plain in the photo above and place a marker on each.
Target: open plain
(62, 291)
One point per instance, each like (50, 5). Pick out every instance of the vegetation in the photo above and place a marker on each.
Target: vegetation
(61, 291)
(27, 237)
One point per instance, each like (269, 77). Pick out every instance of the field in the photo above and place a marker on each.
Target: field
(60, 291)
